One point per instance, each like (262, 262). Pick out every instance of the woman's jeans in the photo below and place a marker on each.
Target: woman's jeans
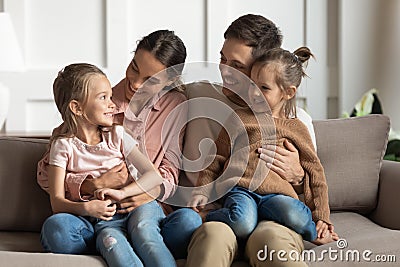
(242, 209)
(149, 233)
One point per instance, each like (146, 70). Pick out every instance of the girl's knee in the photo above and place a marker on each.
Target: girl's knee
(189, 218)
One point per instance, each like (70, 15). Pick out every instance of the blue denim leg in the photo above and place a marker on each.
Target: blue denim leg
(177, 229)
(68, 234)
(113, 245)
(144, 231)
(239, 211)
(289, 212)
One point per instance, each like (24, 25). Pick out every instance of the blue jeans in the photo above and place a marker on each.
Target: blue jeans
(113, 244)
(242, 209)
(69, 234)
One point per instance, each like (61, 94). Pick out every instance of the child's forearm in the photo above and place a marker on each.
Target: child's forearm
(147, 182)
(60, 205)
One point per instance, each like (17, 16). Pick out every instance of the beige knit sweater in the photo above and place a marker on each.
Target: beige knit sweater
(237, 161)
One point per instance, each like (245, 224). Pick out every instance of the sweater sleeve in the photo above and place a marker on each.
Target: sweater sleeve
(216, 167)
(315, 186)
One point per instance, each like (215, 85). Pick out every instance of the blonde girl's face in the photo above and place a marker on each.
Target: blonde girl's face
(264, 90)
(99, 107)
(141, 74)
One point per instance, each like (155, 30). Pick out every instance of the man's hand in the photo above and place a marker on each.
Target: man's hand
(115, 178)
(130, 203)
(284, 161)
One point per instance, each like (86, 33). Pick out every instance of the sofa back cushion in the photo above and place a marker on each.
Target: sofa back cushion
(351, 151)
(24, 205)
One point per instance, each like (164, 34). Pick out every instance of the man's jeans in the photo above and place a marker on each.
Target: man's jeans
(149, 230)
(243, 209)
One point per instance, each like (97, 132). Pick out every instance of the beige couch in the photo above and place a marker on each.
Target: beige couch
(364, 198)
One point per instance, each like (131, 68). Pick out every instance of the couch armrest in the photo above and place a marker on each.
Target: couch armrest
(387, 212)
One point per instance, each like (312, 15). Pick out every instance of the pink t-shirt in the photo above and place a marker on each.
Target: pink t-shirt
(159, 131)
(81, 160)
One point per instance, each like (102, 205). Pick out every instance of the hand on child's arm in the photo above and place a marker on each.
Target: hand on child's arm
(130, 203)
(116, 177)
(102, 209)
(106, 193)
(198, 202)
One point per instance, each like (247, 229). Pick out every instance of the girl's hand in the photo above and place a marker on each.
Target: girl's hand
(198, 202)
(103, 193)
(284, 161)
(322, 229)
(102, 209)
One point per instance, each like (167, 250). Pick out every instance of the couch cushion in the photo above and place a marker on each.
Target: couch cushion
(25, 259)
(351, 151)
(24, 205)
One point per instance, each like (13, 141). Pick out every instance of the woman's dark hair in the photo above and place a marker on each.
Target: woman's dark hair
(169, 49)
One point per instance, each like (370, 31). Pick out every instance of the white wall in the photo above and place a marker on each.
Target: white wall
(54, 33)
(354, 50)
(369, 53)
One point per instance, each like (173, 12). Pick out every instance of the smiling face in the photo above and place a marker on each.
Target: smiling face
(265, 94)
(235, 65)
(142, 69)
(98, 109)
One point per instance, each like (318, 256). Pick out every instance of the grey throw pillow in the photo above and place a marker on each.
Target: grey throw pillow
(351, 151)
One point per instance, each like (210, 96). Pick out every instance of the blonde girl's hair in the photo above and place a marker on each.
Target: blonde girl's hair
(170, 50)
(72, 83)
(288, 69)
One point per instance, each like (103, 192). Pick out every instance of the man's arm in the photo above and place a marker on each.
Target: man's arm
(286, 162)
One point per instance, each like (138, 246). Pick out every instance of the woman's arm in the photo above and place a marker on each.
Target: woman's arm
(148, 180)
(115, 178)
(96, 208)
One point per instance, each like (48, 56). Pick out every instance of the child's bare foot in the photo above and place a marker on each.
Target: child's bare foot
(329, 237)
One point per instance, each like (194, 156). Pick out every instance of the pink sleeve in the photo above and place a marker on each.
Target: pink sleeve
(60, 155)
(42, 175)
(171, 162)
(74, 182)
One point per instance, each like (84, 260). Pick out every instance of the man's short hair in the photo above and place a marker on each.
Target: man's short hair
(256, 31)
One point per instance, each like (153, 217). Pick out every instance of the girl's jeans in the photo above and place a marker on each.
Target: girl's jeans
(149, 233)
(242, 209)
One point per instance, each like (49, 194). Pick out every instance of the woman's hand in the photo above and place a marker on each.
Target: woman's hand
(102, 209)
(130, 203)
(105, 193)
(284, 161)
(117, 177)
